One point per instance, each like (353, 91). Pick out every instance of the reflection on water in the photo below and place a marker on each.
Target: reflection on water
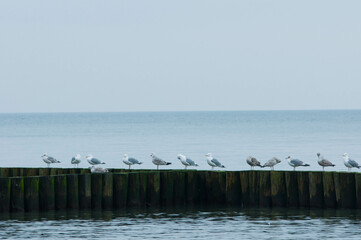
(207, 223)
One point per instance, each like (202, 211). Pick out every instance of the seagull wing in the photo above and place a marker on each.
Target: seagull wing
(133, 160)
(353, 163)
(216, 162)
(190, 162)
(296, 162)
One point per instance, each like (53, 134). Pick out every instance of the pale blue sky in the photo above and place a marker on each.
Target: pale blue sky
(66, 56)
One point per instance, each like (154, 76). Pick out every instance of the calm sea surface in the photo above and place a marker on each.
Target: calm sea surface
(230, 136)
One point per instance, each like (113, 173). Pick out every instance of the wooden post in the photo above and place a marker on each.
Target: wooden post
(192, 188)
(17, 202)
(345, 190)
(329, 194)
(179, 188)
(153, 189)
(233, 189)
(120, 184)
(244, 181)
(5, 172)
(358, 189)
(31, 172)
(96, 190)
(292, 189)
(316, 189)
(60, 192)
(5, 191)
(73, 191)
(133, 190)
(265, 194)
(303, 189)
(253, 188)
(53, 171)
(278, 189)
(31, 193)
(46, 193)
(166, 188)
(44, 171)
(143, 184)
(107, 191)
(84, 183)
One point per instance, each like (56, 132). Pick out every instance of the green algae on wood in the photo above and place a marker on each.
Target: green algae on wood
(179, 188)
(253, 181)
(244, 181)
(31, 193)
(166, 188)
(316, 189)
(153, 189)
(17, 199)
(73, 191)
(5, 191)
(61, 185)
(120, 191)
(84, 191)
(233, 189)
(96, 190)
(303, 189)
(345, 190)
(292, 188)
(265, 194)
(107, 200)
(278, 189)
(133, 199)
(329, 194)
(5, 172)
(46, 193)
(192, 194)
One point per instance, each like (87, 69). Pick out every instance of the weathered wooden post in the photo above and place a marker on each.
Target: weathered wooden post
(244, 181)
(53, 171)
(17, 202)
(345, 190)
(133, 190)
(31, 193)
(303, 189)
(31, 172)
(329, 194)
(143, 184)
(192, 188)
(179, 188)
(44, 171)
(46, 193)
(73, 191)
(153, 189)
(5, 172)
(202, 187)
(358, 189)
(292, 188)
(120, 184)
(96, 190)
(253, 188)
(166, 188)
(316, 189)
(278, 189)
(233, 189)
(84, 183)
(60, 192)
(265, 194)
(5, 191)
(107, 191)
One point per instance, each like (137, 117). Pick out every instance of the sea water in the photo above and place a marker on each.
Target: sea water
(230, 136)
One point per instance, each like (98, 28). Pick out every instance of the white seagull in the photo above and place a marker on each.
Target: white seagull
(272, 162)
(94, 169)
(93, 161)
(323, 162)
(253, 162)
(76, 160)
(349, 163)
(158, 161)
(130, 161)
(295, 163)
(48, 160)
(186, 161)
(213, 162)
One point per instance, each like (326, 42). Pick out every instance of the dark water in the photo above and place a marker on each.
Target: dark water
(210, 223)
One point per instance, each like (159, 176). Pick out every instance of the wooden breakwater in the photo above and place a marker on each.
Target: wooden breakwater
(43, 189)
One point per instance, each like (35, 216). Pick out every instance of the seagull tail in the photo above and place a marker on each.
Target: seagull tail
(223, 166)
(262, 166)
(196, 165)
(168, 163)
(140, 163)
(102, 163)
(333, 165)
(306, 165)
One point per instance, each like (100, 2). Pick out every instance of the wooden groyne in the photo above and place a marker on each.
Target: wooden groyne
(44, 189)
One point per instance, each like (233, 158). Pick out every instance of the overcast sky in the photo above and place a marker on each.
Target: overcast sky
(81, 56)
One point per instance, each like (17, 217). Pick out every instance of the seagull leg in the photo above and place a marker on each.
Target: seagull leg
(294, 168)
(323, 168)
(129, 167)
(212, 167)
(185, 167)
(157, 167)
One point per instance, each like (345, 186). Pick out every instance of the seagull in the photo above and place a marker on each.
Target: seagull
(93, 161)
(48, 160)
(213, 162)
(130, 161)
(253, 162)
(157, 161)
(349, 163)
(272, 162)
(186, 161)
(98, 170)
(76, 160)
(295, 163)
(323, 162)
